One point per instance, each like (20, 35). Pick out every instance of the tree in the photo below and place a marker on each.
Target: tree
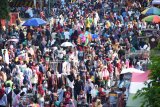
(4, 11)
(151, 94)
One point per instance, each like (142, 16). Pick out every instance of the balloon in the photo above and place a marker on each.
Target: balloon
(86, 43)
(86, 33)
(83, 39)
(89, 37)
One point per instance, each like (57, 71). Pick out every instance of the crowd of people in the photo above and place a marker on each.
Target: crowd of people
(37, 71)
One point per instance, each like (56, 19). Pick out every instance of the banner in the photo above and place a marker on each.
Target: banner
(13, 17)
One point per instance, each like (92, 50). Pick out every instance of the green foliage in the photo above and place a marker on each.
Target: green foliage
(151, 94)
(158, 46)
(4, 9)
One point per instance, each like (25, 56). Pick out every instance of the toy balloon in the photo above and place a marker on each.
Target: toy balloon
(83, 39)
(86, 43)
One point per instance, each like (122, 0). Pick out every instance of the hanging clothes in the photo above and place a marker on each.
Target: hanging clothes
(66, 66)
(59, 68)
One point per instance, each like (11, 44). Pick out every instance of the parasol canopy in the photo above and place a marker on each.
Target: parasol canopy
(67, 44)
(34, 22)
(152, 18)
(151, 11)
(131, 70)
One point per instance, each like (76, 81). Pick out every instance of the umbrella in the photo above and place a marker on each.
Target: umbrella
(34, 22)
(152, 18)
(131, 70)
(67, 44)
(13, 40)
(155, 2)
(94, 36)
(89, 36)
(151, 11)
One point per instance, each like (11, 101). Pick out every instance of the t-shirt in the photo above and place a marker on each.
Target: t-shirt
(66, 35)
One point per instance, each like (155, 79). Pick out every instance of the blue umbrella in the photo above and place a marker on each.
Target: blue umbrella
(94, 36)
(34, 22)
(151, 11)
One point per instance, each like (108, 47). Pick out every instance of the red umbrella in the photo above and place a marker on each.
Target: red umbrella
(152, 18)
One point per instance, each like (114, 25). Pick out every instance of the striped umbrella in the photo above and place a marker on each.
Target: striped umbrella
(152, 18)
(151, 11)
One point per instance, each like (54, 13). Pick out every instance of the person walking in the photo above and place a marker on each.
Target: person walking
(3, 98)
(88, 87)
